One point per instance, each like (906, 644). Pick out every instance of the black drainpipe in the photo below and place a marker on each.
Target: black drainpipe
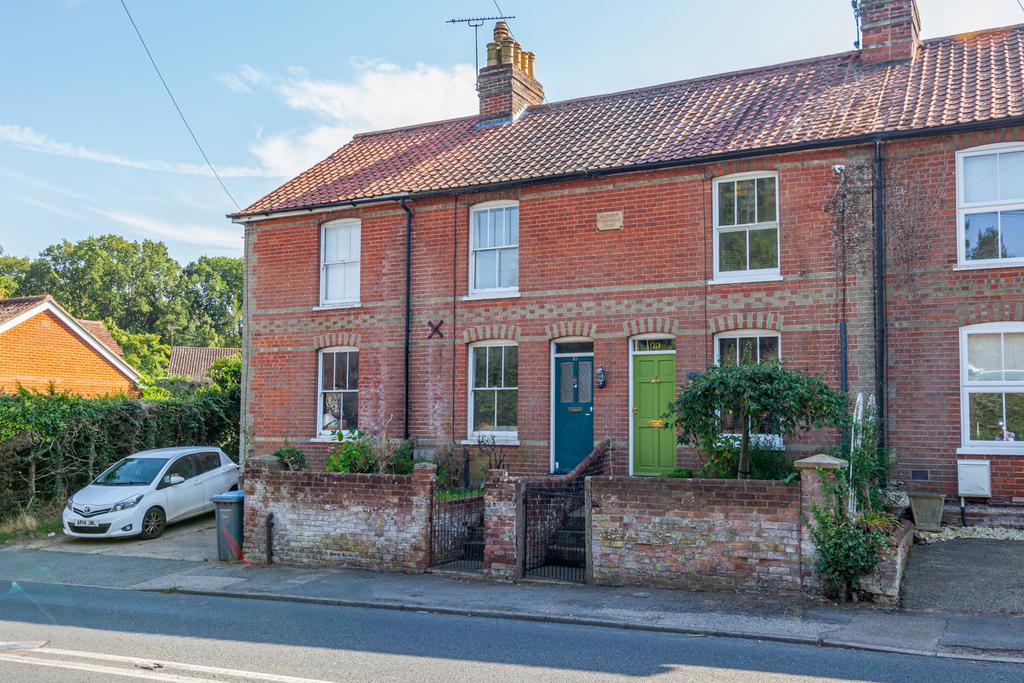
(408, 313)
(880, 302)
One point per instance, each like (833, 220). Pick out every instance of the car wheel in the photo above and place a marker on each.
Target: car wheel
(153, 523)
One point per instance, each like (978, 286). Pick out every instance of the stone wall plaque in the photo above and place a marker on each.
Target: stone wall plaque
(609, 220)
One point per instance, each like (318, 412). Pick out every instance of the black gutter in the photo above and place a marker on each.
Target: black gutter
(408, 313)
(880, 299)
(869, 138)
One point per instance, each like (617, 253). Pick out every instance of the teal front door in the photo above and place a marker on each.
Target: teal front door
(574, 410)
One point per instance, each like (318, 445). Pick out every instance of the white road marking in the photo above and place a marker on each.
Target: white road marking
(35, 654)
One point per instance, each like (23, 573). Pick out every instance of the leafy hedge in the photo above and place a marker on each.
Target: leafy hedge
(52, 444)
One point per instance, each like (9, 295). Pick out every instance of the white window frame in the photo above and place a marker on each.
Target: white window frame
(970, 446)
(351, 301)
(495, 292)
(963, 208)
(506, 438)
(761, 274)
(321, 433)
(773, 441)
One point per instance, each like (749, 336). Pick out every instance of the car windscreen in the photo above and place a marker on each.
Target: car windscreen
(132, 472)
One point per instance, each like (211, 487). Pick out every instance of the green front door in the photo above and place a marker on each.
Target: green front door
(654, 381)
(574, 410)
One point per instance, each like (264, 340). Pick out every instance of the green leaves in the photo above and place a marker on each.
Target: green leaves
(781, 400)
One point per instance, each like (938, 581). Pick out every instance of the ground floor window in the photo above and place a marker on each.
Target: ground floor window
(494, 389)
(742, 347)
(338, 390)
(992, 384)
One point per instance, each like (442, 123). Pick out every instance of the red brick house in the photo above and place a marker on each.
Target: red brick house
(548, 272)
(42, 344)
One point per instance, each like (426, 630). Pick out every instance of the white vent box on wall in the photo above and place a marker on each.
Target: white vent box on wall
(974, 478)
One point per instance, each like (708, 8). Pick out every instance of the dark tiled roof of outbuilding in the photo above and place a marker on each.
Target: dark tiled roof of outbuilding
(194, 361)
(968, 78)
(14, 306)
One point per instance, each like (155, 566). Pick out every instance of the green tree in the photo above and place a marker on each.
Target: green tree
(225, 374)
(144, 351)
(12, 273)
(212, 295)
(135, 284)
(763, 394)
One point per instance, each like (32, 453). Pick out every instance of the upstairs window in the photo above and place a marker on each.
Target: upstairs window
(746, 226)
(494, 248)
(338, 395)
(990, 206)
(339, 262)
(992, 385)
(494, 389)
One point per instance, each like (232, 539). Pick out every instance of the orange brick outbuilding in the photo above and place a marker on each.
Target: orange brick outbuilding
(41, 344)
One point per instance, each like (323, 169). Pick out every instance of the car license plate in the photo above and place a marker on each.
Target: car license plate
(86, 522)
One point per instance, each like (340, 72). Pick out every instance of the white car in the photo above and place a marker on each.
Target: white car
(139, 495)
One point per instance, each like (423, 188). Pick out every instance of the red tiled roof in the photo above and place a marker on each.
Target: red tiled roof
(194, 361)
(969, 78)
(98, 330)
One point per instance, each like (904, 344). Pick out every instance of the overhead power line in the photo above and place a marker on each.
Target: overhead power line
(180, 113)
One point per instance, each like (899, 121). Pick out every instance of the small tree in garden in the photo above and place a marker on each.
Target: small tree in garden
(787, 401)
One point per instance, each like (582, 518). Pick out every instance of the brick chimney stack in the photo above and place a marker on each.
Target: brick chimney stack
(889, 30)
(506, 85)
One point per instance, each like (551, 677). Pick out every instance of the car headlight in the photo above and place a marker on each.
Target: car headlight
(127, 503)
(71, 501)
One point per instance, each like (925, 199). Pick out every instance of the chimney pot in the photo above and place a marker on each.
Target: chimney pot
(507, 47)
(506, 85)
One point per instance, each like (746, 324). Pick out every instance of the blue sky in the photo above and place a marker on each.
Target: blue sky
(90, 143)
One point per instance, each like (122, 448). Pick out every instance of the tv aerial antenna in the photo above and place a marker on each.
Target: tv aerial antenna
(476, 23)
(856, 20)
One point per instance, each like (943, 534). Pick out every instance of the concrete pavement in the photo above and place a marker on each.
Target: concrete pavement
(944, 634)
(103, 634)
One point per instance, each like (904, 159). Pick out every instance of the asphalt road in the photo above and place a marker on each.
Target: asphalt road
(98, 634)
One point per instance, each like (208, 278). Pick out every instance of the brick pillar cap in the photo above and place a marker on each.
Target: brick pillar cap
(825, 462)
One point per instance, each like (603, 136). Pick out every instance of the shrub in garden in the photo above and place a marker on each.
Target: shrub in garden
(786, 400)
(364, 453)
(54, 443)
(293, 458)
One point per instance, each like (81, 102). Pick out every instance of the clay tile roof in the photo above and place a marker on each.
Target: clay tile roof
(194, 361)
(969, 78)
(100, 332)
(14, 306)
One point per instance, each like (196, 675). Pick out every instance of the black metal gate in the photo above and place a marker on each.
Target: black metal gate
(556, 534)
(457, 531)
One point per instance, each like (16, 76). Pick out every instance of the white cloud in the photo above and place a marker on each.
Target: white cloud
(40, 204)
(26, 138)
(192, 234)
(381, 95)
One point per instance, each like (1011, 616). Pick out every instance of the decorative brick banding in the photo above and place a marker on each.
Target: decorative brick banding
(485, 332)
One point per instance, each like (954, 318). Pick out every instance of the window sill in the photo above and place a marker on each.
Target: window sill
(331, 438)
(991, 450)
(481, 296)
(988, 266)
(746, 278)
(331, 307)
(498, 441)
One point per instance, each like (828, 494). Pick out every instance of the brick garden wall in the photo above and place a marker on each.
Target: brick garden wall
(695, 533)
(366, 521)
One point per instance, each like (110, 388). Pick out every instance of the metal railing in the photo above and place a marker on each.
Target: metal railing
(457, 532)
(555, 534)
